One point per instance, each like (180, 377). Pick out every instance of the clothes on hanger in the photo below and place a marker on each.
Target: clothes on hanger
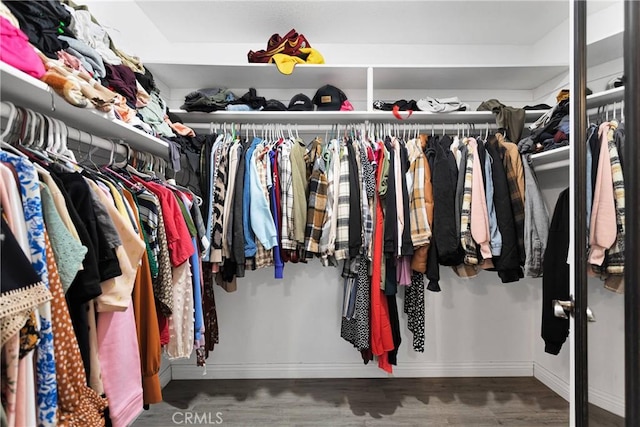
(388, 209)
(606, 210)
(555, 279)
(105, 244)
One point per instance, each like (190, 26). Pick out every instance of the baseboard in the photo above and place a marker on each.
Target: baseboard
(551, 380)
(182, 371)
(606, 401)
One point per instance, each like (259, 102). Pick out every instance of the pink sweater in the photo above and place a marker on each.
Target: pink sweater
(479, 212)
(603, 214)
(120, 363)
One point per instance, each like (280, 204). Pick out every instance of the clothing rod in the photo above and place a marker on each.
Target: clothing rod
(80, 136)
(327, 127)
(346, 117)
(632, 202)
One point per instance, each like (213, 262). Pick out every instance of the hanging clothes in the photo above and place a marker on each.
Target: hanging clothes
(47, 394)
(555, 279)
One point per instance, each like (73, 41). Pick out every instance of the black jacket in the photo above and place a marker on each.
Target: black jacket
(555, 279)
(444, 180)
(42, 21)
(237, 248)
(391, 210)
(355, 214)
(508, 263)
(433, 268)
(406, 242)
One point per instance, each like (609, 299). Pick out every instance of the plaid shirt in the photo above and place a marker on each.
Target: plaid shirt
(264, 257)
(316, 209)
(342, 213)
(328, 236)
(420, 231)
(515, 180)
(467, 241)
(286, 189)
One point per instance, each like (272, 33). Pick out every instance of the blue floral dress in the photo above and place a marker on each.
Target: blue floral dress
(47, 387)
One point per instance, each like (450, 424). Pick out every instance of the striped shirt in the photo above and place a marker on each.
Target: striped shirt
(420, 231)
(342, 213)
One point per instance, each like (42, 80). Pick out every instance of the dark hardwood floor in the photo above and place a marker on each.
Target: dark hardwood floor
(394, 402)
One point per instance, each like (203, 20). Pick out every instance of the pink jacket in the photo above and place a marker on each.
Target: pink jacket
(479, 212)
(603, 213)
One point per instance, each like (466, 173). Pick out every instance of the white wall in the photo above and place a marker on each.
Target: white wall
(291, 328)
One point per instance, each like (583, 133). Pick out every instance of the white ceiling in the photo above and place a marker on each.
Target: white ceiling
(510, 22)
(374, 32)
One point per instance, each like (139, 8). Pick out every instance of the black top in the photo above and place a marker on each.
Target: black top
(555, 278)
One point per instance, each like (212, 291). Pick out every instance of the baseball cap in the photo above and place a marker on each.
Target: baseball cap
(286, 63)
(274, 105)
(615, 82)
(329, 98)
(300, 102)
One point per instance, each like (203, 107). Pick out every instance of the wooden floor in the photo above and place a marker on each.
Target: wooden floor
(394, 402)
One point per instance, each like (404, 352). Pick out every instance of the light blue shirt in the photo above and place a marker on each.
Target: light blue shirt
(250, 248)
(261, 220)
(496, 237)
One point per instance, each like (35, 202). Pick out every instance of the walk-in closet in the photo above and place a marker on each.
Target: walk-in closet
(319, 212)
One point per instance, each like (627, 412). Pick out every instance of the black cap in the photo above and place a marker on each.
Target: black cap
(300, 102)
(329, 98)
(274, 105)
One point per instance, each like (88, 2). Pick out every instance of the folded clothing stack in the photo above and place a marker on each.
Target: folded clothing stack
(429, 104)
(326, 98)
(208, 100)
(550, 131)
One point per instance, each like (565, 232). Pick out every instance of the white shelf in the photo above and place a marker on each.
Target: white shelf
(599, 99)
(29, 92)
(553, 159)
(305, 76)
(332, 117)
(260, 76)
(559, 158)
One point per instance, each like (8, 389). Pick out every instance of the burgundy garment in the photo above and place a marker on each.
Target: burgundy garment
(559, 137)
(121, 79)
